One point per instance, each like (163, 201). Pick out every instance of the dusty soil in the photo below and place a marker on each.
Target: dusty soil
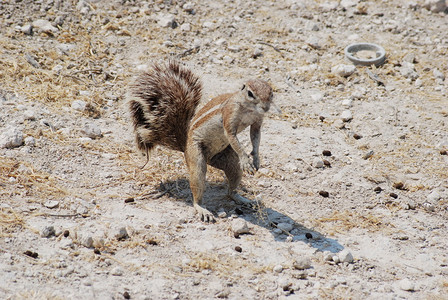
(379, 192)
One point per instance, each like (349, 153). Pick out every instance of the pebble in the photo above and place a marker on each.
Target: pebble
(44, 26)
(79, 105)
(167, 20)
(302, 263)
(428, 207)
(239, 226)
(92, 131)
(86, 241)
(117, 271)
(407, 70)
(185, 27)
(433, 197)
(122, 234)
(11, 137)
(407, 285)
(48, 232)
(345, 256)
(27, 29)
(189, 8)
(222, 214)
(51, 204)
(314, 42)
(278, 269)
(285, 226)
(347, 103)
(346, 116)
(438, 75)
(318, 163)
(368, 155)
(343, 70)
(435, 6)
(316, 97)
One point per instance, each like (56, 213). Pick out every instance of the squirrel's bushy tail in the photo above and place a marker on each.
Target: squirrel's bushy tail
(162, 103)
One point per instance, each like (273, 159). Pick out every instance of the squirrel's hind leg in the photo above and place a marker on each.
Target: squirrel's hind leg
(197, 168)
(228, 161)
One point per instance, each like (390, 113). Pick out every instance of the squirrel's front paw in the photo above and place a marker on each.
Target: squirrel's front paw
(247, 165)
(205, 215)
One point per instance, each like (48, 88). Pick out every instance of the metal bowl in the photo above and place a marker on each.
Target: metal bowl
(380, 54)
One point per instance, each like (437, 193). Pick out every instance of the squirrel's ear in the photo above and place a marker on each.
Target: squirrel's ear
(244, 86)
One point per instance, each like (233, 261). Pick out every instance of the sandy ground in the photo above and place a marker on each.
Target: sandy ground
(347, 209)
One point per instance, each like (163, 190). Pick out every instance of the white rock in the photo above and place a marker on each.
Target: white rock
(44, 26)
(29, 115)
(314, 42)
(318, 163)
(285, 226)
(433, 197)
(79, 105)
(239, 226)
(278, 269)
(406, 285)
(222, 214)
(345, 256)
(438, 75)
(347, 103)
(51, 204)
(336, 259)
(11, 137)
(346, 116)
(290, 167)
(122, 234)
(86, 241)
(27, 29)
(117, 271)
(185, 27)
(188, 7)
(221, 42)
(207, 24)
(435, 6)
(30, 141)
(317, 97)
(48, 232)
(92, 131)
(407, 70)
(343, 70)
(167, 20)
(302, 263)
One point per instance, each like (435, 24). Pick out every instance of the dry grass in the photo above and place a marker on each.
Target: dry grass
(341, 222)
(10, 222)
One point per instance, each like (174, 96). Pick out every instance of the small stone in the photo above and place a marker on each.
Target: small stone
(324, 194)
(357, 136)
(79, 105)
(407, 70)
(308, 235)
(393, 195)
(326, 153)
(406, 285)
(27, 29)
(117, 271)
(238, 249)
(377, 190)
(336, 259)
(86, 241)
(368, 155)
(126, 295)
(185, 27)
(44, 26)
(339, 124)
(434, 196)
(443, 152)
(345, 256)
(222, 214)
(347, 103)
(343, 70)
(122, 234)
(318, 163)
(438, 75)
(285, 227)
(316, 97)
(11, 137)
(278, 269)
(129, 200)
(51, 204)
(328, 256)
(302, 264)
(314, 42)
(30, 141)
(208, 24)
(435, 6)
(48, 232)
(346, 116)
(399, 185)
(428, 207)
(239, 226)
(92, 131)
(167, 20)
(66, 233)
(188, 7)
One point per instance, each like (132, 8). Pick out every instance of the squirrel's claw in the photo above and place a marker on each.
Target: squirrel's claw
(205, 214)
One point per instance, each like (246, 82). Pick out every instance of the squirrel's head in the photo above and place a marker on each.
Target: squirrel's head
(259, 93)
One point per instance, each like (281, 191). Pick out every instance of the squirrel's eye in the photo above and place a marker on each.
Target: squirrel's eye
(250, 94)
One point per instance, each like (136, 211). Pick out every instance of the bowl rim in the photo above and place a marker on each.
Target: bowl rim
(353, 48)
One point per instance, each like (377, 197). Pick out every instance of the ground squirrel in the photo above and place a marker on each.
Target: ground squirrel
(163, 106)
